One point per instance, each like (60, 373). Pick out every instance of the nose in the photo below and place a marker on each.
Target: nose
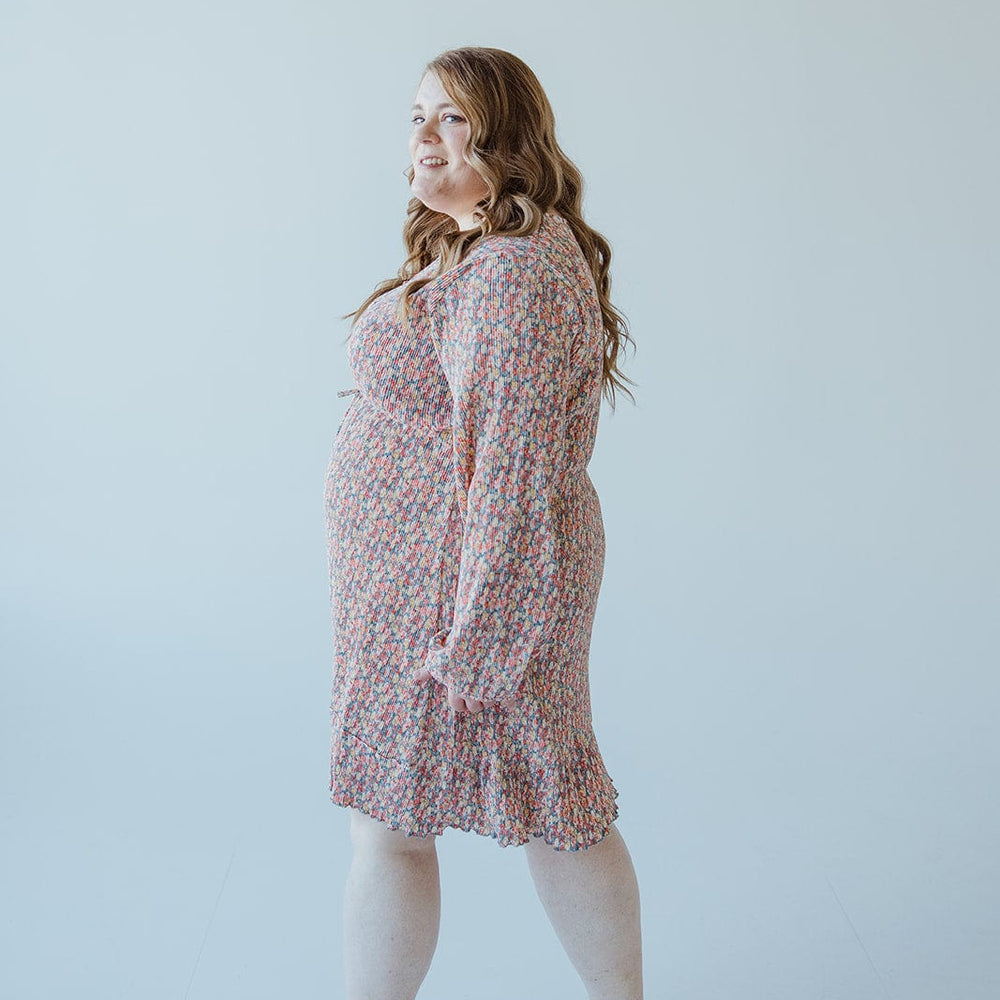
(425, 132)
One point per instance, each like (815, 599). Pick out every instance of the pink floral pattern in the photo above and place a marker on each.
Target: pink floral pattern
(465, 535)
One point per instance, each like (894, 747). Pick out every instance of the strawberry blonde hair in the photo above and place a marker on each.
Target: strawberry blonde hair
(512, 145)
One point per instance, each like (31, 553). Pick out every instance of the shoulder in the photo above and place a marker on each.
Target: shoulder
(508, 270)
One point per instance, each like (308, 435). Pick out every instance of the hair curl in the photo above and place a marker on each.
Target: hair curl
(512, 145)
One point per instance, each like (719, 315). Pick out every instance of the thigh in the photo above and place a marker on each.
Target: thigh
(540, 854)
(370, 834)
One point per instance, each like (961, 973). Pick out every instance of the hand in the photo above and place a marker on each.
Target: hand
(462, 703)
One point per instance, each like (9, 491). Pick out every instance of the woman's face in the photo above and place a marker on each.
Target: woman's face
(440, 132)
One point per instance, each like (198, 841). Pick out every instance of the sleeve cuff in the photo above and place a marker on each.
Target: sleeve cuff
(437, 662)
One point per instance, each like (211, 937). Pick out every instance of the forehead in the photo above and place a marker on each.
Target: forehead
(432, 95)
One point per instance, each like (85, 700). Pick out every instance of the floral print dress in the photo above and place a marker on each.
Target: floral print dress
(465, 535)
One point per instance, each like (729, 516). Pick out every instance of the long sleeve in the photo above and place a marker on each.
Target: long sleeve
(505, 351)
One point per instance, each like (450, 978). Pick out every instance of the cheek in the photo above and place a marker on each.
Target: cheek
(458, 144)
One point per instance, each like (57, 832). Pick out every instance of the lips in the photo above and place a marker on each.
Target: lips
(423, 162)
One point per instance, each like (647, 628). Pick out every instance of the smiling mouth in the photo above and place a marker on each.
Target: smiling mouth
(436, 163)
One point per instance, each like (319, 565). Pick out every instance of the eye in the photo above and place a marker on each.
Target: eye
(416, 118)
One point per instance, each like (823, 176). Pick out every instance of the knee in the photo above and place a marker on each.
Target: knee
(370, 836)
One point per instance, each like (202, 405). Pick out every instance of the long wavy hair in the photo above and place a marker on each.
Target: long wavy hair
(512, 145)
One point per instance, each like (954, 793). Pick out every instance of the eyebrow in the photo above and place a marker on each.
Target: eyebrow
(443, 104)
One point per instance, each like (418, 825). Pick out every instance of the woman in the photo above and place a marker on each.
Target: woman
(466, 544)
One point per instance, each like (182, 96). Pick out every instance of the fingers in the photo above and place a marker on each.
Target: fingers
(468, 705)
(463, 703)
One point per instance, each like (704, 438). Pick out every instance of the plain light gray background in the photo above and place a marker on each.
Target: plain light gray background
(794, 664)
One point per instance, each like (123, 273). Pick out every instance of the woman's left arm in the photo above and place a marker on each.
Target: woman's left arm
(505, 351)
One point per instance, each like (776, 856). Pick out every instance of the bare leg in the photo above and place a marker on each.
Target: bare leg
(591, 897)
(392, 911)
